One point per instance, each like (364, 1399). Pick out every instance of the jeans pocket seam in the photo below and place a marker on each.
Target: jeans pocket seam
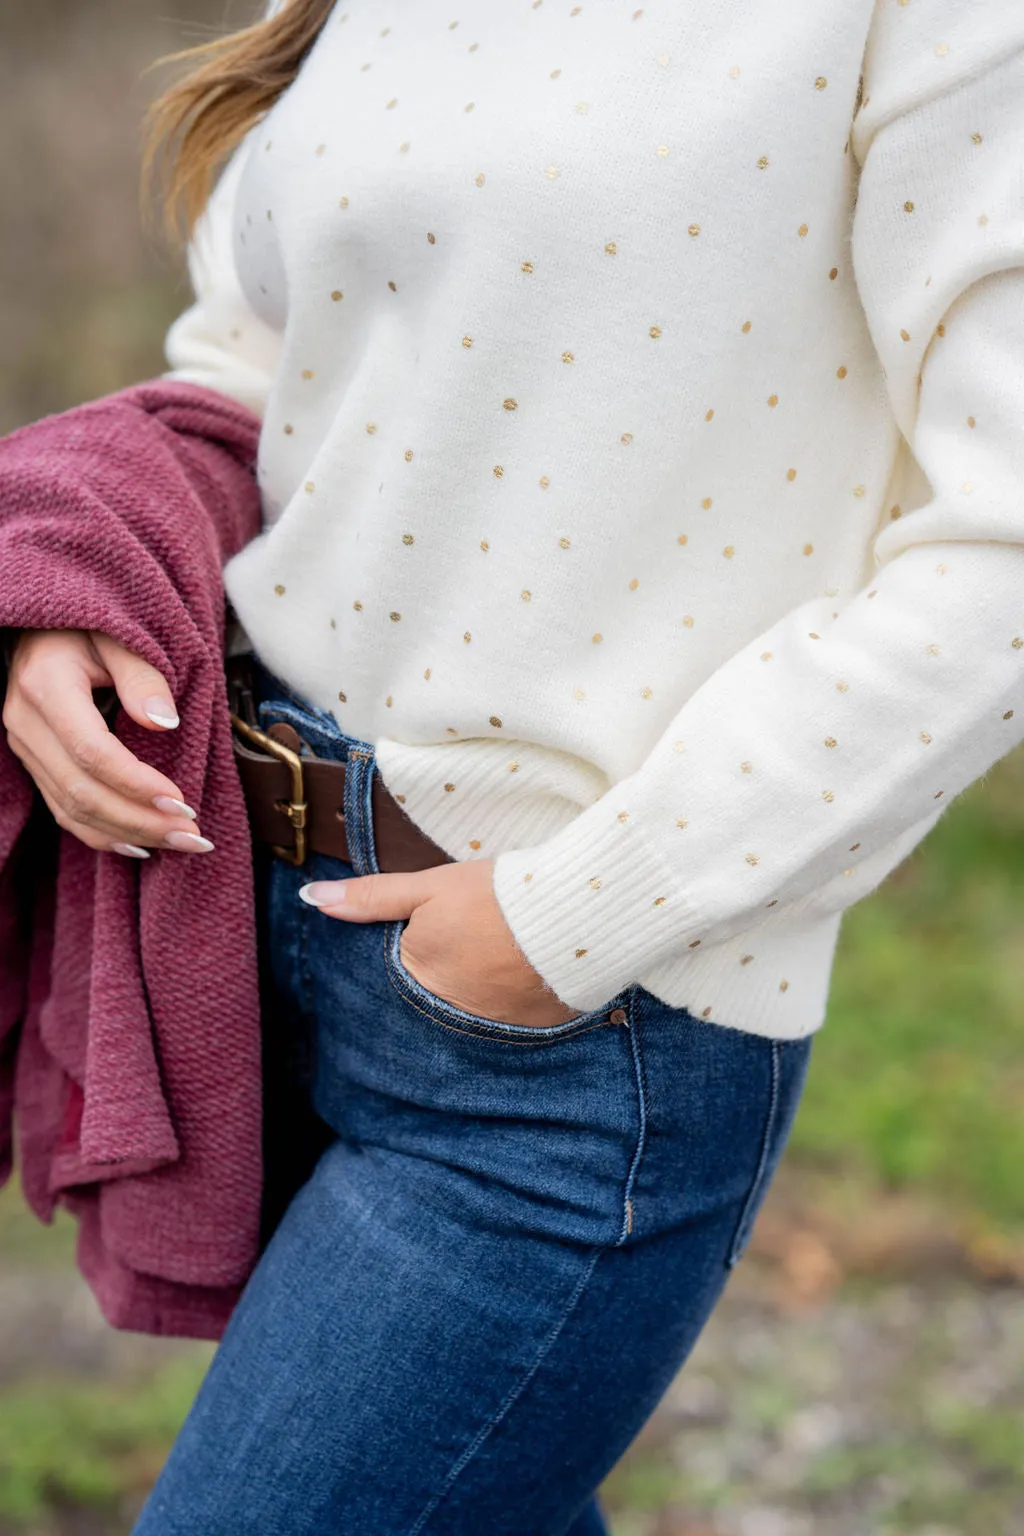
(751, 1205)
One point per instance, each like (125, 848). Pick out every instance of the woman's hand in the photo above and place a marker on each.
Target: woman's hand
(457, 943)
(96, 789)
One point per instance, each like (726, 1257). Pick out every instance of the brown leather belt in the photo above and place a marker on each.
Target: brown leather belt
(296, 801)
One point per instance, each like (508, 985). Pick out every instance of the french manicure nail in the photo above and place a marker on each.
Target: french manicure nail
(323, 893)
(173, 807)
(129, 850)
(187, 842)
(161, 712)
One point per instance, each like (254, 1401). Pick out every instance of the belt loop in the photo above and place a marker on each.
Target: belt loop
(359, 771)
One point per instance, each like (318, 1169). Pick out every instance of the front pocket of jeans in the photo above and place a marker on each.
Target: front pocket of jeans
(788, 1069)
(448, 1016)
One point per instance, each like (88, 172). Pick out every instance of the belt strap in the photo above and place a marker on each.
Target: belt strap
(296, 801)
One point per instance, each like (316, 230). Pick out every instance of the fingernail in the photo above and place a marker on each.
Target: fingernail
(323, 893)
(187, 842)
(173, 807)
(129, 850)
(161, 712)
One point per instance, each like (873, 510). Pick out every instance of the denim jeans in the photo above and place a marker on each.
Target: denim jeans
(500, 1261)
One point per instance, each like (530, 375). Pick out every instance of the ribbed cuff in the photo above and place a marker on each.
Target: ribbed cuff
(593, 907)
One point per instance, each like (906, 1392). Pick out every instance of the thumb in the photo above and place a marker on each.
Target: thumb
(370, 898)
(141, 689)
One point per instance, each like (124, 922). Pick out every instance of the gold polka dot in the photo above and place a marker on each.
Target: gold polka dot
(579, 693)
(646, 693)
(766, 655)
(334, 623)
(833, 274)
(552, 172)
(905, 335)
(407, 538)
(279, 590)
(499, 470)
(773, 903)
(688, 621)
(762, 164)
(709, 415)
(596, 639)
(388, 701)
(729, 551)
(734, 72)
(808, 549)
(693, 230)
(706, 503)
(654, 332)
(525, 595)
(594, 883)
(683, 538)
(495, 720)
(828, 794)
(451, 732)
(783, 986)
(391, 285)
(343, 697)
(484, 545)
(746, 959)
(449, 788)
(568, 357)
(933, 650)
(371, 427)
(467, 637)
(662, 151)
(841, 371)
(908, 206)
(543, 482)
(510, 404)
(307, 373)
(940, 330)
(563, 543)
(773, 401)
(337, 295)
(694, 944)
(288, 429)
(811, 635)
(479, 178)
(791, 476)
(659, 901)
(1008, 715)
(854, 847)
(467, 341)
(527, 879)
(941, 49)
(1017, 643)
(622, 816)
(513, 767)
(342, 202)
(580, 953)
(634, 583)
(626, 438)
(469, 106)
(820, 83)
(746, 767)
(392, 103)
(526, 266)
(426, 675)
(926, 738)
(975, 138)
(859, 490)
(309, 487)
(394, 617)
(357, 605)
(408, 455)
(802, 230)
(474, 843)
(938, 794)
(753, 858)
(554, 74)
(610, 248)
(679, 746)
(431, 239)
(971, 421)
(682, 823)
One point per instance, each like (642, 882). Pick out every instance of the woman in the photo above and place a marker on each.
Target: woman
(641, 463)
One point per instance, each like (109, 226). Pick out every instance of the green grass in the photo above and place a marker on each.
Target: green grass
(917, 1080)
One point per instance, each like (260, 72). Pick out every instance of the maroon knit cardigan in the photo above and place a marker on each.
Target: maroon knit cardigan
(129, 1017)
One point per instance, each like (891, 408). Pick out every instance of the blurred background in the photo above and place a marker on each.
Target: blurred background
(865, 1372)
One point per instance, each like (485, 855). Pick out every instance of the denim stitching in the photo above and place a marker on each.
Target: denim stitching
(510, 1401)
(641, 1143)
(745, 1225)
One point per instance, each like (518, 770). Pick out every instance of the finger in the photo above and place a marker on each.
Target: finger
(90, 836)
(370, 898)
(66, 716)
(85, 805)
(141, 689)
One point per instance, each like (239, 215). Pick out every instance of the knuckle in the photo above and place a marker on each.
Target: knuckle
(85, 753)
(80, 799)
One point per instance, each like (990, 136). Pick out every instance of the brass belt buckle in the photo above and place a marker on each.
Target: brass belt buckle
(295, 808)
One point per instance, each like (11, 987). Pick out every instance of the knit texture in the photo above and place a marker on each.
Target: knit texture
(129, 1018)
(642, 458)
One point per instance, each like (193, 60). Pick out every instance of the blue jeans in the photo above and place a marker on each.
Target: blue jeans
(500, 1261)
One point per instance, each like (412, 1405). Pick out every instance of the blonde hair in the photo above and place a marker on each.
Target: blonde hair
(232, 82)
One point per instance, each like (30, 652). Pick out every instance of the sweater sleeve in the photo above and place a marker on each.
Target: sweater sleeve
(811, 762)
(220, 342)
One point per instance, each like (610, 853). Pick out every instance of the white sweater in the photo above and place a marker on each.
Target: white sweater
(643, 451)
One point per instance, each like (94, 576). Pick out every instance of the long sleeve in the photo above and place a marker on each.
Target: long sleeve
(810, 763)
(220, 342)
